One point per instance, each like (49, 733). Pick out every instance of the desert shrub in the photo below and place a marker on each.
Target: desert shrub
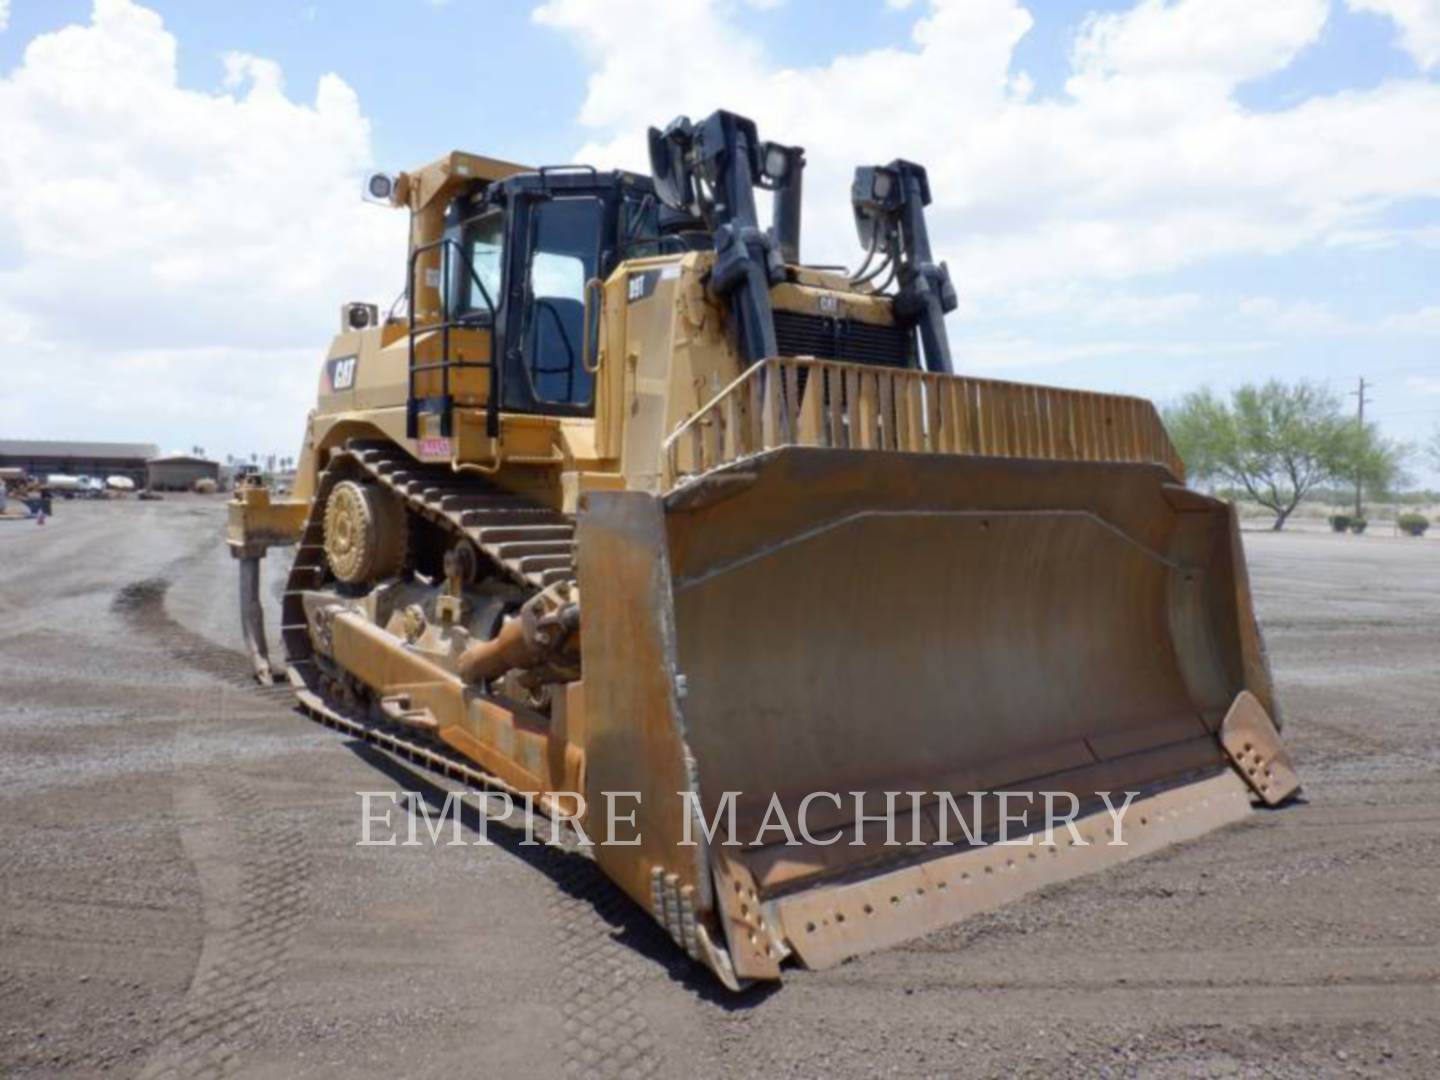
(1339, 522)
(1414, 524)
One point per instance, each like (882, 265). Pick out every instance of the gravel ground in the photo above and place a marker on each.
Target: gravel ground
(182, 893)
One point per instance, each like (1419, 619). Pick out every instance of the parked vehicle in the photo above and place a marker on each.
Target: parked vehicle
(64, 485)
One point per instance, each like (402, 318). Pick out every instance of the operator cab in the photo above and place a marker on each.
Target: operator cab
(517, 256)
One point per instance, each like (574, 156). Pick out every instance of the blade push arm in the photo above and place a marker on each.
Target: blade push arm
(889, 202)
(711, 170)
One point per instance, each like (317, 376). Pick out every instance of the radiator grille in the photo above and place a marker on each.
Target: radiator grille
(802, 334)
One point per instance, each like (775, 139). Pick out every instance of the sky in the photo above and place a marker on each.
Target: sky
(1144, 198)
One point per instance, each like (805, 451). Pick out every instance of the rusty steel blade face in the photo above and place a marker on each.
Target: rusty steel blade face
(828, 924)
(848, 622)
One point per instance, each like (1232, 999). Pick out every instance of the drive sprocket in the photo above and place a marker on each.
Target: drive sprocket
(364, 532)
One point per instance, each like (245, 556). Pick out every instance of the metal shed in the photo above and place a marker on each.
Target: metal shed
(178, 472)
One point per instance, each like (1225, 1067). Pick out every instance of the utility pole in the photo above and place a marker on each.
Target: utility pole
(1359, 396)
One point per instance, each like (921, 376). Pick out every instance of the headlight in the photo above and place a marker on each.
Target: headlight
(380, 187)
(776, 162)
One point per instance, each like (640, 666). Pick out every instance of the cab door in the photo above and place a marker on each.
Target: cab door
(545, 370)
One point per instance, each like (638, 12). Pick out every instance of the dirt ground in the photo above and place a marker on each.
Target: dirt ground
(182, 894)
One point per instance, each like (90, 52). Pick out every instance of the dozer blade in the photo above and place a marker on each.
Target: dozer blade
(807, 630)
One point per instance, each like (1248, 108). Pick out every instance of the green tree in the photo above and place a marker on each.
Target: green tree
(1380, 463)
(1277, 442)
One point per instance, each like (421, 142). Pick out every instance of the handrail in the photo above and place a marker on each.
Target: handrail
(445, 325)
(590, 343)
(802, 401)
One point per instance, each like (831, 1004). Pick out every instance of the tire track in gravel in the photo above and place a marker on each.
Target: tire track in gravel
(251, 859)
(606, 1031)
(1367, 743)
(142, 605)
(607, 953)
(253, 869)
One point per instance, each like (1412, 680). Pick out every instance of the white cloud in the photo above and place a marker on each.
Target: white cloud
(1316, 319)
(1423, 323)
(1103, 306)
(1296, 318)
(1419, 23)
(140, 220)
(1215, 41)
(1379, 238)
(1010, 353)
(1148, 164)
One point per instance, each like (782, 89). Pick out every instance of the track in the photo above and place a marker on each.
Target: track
(533, 545)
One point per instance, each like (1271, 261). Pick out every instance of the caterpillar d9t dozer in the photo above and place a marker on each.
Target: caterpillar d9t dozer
(631, 503)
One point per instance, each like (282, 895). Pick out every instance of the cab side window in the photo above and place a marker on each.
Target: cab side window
(484, 247)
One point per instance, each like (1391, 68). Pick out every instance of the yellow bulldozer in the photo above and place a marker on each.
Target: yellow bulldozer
(626, 500)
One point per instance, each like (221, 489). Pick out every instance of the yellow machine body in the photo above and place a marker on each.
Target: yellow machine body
(807, 587)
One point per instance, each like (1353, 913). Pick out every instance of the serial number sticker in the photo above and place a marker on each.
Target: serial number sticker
(435, 448)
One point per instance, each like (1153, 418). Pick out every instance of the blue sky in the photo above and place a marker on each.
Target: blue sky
(1141, 198)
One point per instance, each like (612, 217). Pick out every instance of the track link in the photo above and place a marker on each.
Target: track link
(531, 544)
(534, 544)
